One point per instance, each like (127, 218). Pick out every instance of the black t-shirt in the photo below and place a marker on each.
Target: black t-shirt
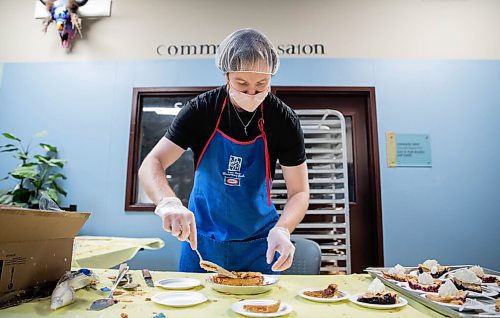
(196, 121)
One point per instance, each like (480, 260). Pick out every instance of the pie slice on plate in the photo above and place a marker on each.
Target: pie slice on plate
(383, 298)
(456, 299)
(272, 308)
(329, 292)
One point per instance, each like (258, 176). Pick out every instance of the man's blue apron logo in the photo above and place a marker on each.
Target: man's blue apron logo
(232, 176)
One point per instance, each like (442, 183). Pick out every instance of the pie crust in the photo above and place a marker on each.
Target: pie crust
(242, 279)
(441, 270)
(456, 300)
(263, 308)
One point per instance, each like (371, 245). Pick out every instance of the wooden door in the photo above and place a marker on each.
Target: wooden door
(358, 107)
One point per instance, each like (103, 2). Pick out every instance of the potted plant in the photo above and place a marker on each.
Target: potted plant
(35, 175)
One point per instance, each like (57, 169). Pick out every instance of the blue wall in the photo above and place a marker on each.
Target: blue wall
(450, 212)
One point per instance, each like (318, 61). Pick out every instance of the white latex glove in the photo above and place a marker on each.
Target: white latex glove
(178, 220)
(278, 240)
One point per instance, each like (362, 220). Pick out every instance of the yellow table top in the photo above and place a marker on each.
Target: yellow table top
(136, 304)
(107, 252)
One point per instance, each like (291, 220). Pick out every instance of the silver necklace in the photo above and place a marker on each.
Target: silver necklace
(244, 126)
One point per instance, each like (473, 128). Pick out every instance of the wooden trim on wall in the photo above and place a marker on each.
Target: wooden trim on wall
(375, 169)
(134, 137)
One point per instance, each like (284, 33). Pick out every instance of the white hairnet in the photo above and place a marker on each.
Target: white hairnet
(247, 50)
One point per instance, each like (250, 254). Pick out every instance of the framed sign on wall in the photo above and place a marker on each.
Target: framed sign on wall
(408, 150)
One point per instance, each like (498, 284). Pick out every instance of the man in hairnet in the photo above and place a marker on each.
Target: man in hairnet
(237, 132)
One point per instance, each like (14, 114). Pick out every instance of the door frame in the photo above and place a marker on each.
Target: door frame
(373, 146)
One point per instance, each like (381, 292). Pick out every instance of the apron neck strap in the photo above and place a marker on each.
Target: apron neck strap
(221, 112)
(269, 180)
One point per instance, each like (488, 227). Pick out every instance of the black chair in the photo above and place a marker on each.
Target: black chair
(307, 258)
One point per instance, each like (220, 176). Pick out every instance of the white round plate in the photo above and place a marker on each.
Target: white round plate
(354, 299)
(323, 300)
(179, 299)
(269, 282)
(495, 288)
(284, 309)
(402, 284)
(488, 314)
(469, 305)
(178, 283)
(487, 292)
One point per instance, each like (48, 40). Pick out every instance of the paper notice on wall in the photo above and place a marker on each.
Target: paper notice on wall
(408, 150)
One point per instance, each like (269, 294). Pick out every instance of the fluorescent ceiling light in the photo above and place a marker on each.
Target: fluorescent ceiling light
(171, 111)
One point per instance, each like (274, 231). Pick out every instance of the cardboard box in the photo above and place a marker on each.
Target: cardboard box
(35, 251)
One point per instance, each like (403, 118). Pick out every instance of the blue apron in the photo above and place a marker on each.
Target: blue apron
(231, 203)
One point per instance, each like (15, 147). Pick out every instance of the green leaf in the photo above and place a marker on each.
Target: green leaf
(24, 172)
(53, 195)
(21, 195)
(40, 157)
(30, 164)
(42, 133)
(9, 136)
(58, 162)
(8, 146)
(56, 176)
(50, 162)
(9, 150)
(22, 156)
(43, 160)
(6, 199)
(37, 183)
(58, 188)
(48, 147)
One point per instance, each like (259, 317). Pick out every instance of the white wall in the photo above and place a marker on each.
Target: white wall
(449, 29)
